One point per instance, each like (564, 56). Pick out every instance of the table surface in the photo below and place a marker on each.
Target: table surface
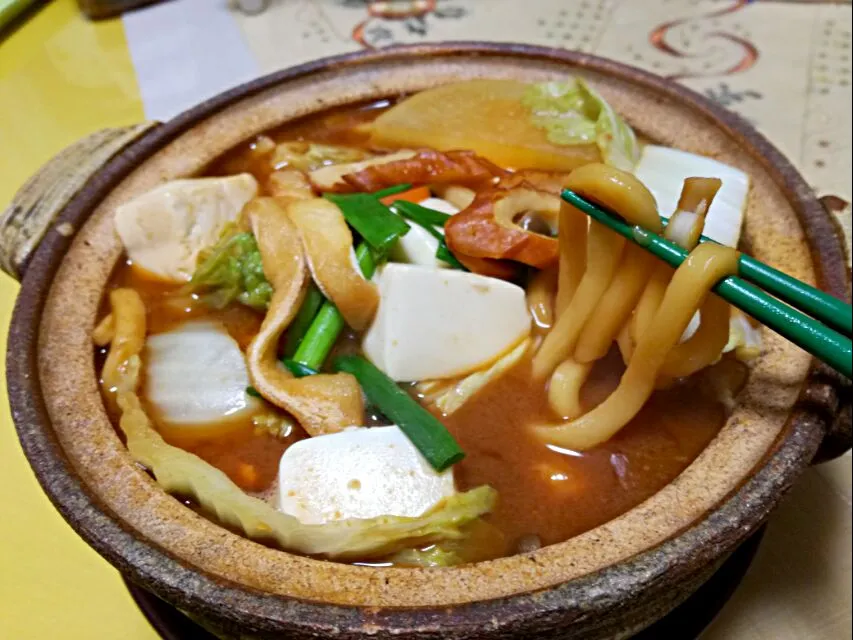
(783, 65)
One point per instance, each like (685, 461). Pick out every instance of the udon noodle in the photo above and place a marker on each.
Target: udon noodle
(615, 279)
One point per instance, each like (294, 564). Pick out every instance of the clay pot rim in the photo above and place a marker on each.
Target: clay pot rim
(166, 576)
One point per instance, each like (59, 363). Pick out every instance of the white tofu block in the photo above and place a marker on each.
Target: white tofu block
(358, 473)
(442, 323)
(165, 229)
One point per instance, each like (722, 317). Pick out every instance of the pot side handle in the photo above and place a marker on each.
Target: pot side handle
(37, 205)
(829, 391)
(828, 395)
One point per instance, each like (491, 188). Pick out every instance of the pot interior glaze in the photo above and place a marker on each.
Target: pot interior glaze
(117, 507)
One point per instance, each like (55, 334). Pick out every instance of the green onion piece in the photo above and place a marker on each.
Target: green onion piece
(298, 369)
(444, 254)
(321, 337)
(304, 317)
(423, 216)
(390, 191)
(328, 323)
(375, 222)
(251, 391)
(425, 431)
(429, 220)
(366, 261)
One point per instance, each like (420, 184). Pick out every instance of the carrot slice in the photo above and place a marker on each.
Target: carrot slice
(247, 475)
(416, 195)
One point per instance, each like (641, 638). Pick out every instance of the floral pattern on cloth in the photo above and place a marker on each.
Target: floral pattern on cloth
(749, 56)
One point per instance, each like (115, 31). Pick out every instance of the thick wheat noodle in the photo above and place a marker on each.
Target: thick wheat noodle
(540, 296)
(616, 305)
(705, 266)
(705, 346)
(625, 343)
(564, 389)
(604, 249)
(618, 191)
(695, 200)
(573, 228)
(650, 300)
(696, 197)
(701, 350)
(127, 335)
(103, 332)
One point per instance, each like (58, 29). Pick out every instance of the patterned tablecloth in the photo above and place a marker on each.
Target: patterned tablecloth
(785, 66)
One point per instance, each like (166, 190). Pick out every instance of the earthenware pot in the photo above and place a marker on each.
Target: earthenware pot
(607, 583)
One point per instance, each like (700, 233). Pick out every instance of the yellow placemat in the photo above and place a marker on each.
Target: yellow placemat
(61, 77)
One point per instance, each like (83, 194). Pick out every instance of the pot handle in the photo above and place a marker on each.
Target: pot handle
(829, 391)
(35, 208)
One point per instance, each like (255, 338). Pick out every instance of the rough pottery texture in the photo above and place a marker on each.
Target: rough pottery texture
(607, 583)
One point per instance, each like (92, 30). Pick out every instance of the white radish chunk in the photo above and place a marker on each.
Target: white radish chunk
(663, 171)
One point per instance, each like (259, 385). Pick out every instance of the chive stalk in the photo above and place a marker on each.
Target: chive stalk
(424, 430)
(423, 216)
(391, 191)
(374, 222)
(328, 323)
(302, 322)
(429, 219)
(298, 369)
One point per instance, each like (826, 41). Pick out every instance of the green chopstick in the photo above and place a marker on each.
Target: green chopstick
(818, 304)
(821, 341)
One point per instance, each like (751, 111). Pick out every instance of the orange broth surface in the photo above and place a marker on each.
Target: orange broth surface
(546, 494)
